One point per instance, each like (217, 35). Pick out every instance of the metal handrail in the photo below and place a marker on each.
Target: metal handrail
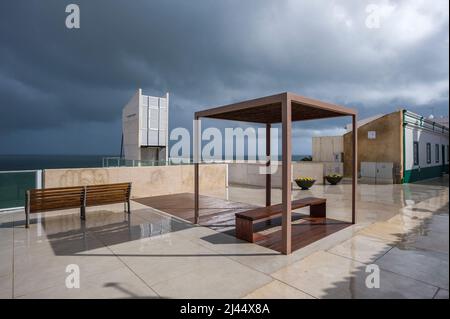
(21, 171)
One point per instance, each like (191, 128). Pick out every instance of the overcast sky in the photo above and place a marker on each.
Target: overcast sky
(62, 90)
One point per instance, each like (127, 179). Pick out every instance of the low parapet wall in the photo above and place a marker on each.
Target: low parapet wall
(333, 168)
(147, 181)
(248, 173)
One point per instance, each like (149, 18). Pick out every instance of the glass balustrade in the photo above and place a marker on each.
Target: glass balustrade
(13, 185)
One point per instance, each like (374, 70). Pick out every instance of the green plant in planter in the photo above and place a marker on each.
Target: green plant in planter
(334, 179)
(305, 182)
(306, 159)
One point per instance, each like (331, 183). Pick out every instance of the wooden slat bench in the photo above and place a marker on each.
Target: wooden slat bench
(246, 220)
(48, 199)
(105, 194)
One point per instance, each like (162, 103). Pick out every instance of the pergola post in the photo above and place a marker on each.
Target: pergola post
(354, 166)
(286, 174)
(268, 170)
(196, 158)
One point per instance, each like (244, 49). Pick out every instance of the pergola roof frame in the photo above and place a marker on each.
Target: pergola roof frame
(252, 110)
(282, 108)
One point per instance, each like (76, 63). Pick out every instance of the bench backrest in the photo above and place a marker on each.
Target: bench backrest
(107, 194)
(39, 200)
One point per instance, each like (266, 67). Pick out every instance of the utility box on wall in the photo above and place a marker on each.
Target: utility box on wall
(145, 122)
(377, 172)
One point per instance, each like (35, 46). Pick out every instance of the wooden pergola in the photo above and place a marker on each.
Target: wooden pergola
(283, 108)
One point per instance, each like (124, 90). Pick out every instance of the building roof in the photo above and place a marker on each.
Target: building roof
(410, 119)
(416, 120)
(441, 120)
(362, 122)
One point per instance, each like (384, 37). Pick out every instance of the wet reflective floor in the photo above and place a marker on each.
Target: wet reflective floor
(402, 231)
(219, 214)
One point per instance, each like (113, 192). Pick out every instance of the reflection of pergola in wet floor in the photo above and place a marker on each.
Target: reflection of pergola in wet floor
(281, 108)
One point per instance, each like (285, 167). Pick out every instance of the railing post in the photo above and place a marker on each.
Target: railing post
(27, 209)
(38, 180)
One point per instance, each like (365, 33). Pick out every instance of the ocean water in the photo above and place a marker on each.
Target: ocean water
(25, 162)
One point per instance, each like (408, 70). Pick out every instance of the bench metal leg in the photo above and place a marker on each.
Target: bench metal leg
(319, 210)
(244, 229)
(83, 204)
(83, 213)
(128, 207)
(27, 218)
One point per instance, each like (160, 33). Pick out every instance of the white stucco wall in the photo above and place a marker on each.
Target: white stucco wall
(333, 168)
(424, 136)
(145, 121)
(130, 128)
(324, 148)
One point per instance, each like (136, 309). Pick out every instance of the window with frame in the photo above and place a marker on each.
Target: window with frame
(416, 153)
(448, 153)
(436, 153)
(428, 153)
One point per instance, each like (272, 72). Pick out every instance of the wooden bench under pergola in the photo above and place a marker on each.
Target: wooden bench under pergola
(283, 108)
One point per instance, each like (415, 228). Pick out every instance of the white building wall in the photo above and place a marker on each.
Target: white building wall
(145, 127)
(326, 148)
(154, 120)
(130, 127)
(424, 132)
(423, 137)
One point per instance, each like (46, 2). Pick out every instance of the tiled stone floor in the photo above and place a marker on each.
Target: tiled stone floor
(403, 229)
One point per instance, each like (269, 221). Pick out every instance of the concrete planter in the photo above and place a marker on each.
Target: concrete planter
(333, 180)
(305, 184)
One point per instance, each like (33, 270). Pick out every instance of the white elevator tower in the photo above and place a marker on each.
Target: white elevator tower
(145, 125)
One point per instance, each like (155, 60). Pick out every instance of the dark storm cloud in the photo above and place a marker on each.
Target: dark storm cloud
(206, 53)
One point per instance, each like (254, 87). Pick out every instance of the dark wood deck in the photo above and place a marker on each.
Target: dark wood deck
(214, 212)
(219, 214)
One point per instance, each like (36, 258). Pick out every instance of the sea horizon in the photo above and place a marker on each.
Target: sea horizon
(13, 162)
(10, 162)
